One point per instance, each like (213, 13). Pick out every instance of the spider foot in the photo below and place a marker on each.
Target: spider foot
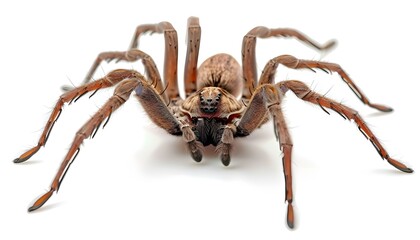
(381, 108)
(28, 154)
(41, 201)
(329, 45)
(399, 166)
(290, 216)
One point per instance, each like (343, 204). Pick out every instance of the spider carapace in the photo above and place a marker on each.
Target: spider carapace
(224, 100)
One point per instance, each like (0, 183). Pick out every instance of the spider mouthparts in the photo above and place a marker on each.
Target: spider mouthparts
(197, 156)
(225, 159)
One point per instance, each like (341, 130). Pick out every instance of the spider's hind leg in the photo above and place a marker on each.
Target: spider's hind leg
(132, 55)
(249, 42)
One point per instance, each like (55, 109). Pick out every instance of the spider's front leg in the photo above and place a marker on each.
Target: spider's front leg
(191, 59)
(132, 55)
(267, 75)
(148, 97)
(302, 91)
(268, 98)
(121, 95)
(249, 62)
(109, 80)
(170, 64)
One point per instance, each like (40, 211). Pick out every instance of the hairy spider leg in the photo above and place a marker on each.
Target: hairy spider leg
(294, 63)
(109, 80)
(121, 95)
(191, 59)
(132, 55)
(170, 64)
(303, 92)
(154, 106)
(249, 63)
(268, 97)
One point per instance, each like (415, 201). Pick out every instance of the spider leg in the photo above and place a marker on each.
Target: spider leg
(268, 97)
(121, 95)
(170, 72)
(286, 146)
(193, 48)
(249, 64)
(303, 92)
(147, 28)
(170, 63)
(294, 63)
(129, 56)
(109, 80)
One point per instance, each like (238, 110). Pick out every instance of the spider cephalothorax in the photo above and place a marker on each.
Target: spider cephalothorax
(211, 113)
(212, 102)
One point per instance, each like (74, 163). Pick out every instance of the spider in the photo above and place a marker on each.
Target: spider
(213, 112)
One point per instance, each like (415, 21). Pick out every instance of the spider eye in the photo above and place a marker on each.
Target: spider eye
(208, 104)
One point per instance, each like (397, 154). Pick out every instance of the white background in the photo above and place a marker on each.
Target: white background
(133, 181)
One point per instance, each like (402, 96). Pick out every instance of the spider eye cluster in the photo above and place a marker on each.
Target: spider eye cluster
(208, 104)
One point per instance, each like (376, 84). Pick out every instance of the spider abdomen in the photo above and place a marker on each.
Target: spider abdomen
(221, 70)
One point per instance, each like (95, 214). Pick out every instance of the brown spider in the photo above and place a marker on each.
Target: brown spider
(211, 112)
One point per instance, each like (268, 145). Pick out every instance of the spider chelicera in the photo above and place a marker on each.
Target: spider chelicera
(211, 113)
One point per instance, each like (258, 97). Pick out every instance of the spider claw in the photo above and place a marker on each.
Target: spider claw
(381, 108)
(399, 166)
(290, 216)
(41, 201)
(329, 45)
(26, 155)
